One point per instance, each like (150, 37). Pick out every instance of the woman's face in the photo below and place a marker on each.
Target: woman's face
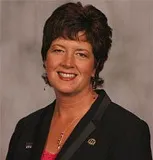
(70, 65)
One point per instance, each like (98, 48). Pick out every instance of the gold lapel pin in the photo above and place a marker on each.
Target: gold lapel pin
(92, 141)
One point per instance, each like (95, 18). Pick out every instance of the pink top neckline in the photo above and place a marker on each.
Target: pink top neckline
(48, 156)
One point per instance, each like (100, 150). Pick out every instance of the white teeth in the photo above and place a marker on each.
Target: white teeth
(67, 75)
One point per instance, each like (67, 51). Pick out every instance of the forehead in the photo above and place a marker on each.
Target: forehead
(73, 44)
(79, 39)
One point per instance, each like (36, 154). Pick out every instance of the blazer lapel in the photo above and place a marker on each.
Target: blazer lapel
(41, 132)
(102, 107)
(85, 128)
(76, 144)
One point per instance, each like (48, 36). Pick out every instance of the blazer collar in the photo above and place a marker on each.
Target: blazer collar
(83, 129)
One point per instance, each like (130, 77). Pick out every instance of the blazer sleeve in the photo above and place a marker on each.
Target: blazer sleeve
(14, 140)
(134, 145)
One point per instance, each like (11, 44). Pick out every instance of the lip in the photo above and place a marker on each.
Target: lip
(66, 72)
(66, 78)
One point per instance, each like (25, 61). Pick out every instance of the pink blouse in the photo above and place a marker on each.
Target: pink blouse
(48, 156)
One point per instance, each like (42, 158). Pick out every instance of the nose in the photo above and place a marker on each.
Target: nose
(68, 61)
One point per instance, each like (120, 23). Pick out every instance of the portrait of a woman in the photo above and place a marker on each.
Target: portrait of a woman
(82, 123)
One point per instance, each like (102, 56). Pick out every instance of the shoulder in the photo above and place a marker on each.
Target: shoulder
(117, 119)
(130, 134)
(122, 121)
(33, 118)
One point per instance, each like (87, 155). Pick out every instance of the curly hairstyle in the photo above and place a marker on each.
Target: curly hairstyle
(70, 18)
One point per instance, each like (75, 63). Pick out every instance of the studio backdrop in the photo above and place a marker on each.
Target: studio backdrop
(128, 73)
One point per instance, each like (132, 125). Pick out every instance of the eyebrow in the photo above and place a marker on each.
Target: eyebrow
(79, 49)
(59, 45)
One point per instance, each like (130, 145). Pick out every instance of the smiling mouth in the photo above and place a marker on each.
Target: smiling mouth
(66, 76)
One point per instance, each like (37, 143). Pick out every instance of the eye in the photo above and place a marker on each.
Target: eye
(82, 55)
(57, 51)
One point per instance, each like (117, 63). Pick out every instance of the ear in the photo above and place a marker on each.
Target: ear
(45, 64)
(95, 68)
(93, 72)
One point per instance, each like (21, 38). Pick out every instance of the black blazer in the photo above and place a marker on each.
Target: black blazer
(106, 132)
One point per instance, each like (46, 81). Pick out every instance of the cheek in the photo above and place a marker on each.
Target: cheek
(50, 63)
(87, 69)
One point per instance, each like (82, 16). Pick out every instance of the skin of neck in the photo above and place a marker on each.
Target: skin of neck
(69, 106)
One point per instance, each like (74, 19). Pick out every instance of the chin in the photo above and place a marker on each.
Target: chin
(70, 88)
(67, 90)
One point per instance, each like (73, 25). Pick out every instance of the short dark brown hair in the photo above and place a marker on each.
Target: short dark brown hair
(70, 18)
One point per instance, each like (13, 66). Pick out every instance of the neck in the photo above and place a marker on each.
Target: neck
(70, 106)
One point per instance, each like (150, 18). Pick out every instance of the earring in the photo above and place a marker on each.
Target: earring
(44, 76)
(45, 87)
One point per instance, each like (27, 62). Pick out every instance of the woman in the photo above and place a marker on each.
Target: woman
(82, 123)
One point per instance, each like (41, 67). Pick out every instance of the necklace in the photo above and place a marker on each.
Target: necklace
(60, 139)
